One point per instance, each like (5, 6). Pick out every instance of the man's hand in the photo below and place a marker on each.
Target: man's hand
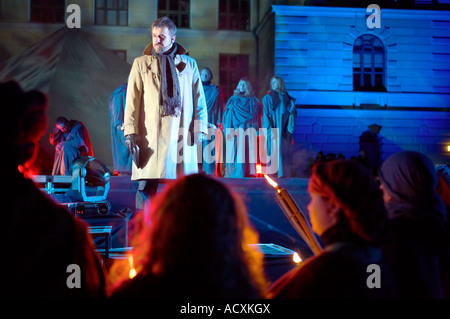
(131, 142)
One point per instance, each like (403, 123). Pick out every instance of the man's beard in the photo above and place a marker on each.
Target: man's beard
(158, 48)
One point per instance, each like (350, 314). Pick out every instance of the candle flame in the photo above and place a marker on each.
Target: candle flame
(132, 273)
(271, 181)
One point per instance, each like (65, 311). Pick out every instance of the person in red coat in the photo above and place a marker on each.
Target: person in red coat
(71, 139)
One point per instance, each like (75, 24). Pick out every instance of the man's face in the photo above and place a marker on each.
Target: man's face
(162, 40)
(205, 76)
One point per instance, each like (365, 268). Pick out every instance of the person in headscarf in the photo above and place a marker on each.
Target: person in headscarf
(279, 117)
(165, 112)
(215, 105)
(420, 237)
(241, 122)
(347, 212)
(42, 242)
(71, 140)
(122, 161)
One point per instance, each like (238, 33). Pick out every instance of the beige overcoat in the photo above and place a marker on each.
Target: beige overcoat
(171, 152)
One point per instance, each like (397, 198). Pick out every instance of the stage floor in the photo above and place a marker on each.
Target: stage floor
(257, 194)
(259, 197)
(264, 212)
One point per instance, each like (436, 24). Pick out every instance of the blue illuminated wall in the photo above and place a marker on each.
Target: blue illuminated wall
(338, 131)
(314, 55)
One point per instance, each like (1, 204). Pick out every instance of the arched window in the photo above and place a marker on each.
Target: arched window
(368, 64)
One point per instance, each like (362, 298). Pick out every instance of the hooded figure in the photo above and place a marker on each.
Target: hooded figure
(419, 249)
(71, 139)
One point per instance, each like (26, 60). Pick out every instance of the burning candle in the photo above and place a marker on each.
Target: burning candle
(295, 216)
(132, 272)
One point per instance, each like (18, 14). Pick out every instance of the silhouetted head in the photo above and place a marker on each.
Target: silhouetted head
(346, 200)
(199, 237)
(26, 123)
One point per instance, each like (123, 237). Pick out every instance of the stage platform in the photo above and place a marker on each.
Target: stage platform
(259, 197)
(265, 214)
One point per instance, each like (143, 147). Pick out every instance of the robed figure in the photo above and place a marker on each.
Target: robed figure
(122, 161)
(241, 121)
(278, 123)
(215, 106)
(71, 139)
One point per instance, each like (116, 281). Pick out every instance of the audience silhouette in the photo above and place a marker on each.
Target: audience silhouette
(196, 246)
(419, 249)
(348, 213)
(42, 242)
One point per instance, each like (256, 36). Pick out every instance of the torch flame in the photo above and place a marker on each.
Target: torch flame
(296, 258)
(271, 181)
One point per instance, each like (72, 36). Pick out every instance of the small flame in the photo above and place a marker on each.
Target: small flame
(258, 169)
(271, 181)
(296, 258)
(132, 273)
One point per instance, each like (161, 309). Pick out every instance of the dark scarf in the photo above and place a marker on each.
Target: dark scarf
(169, 90)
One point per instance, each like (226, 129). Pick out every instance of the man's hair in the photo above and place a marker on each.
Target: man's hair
(165, 22)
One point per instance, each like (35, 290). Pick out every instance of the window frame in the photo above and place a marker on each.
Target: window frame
(177, 15)
(105, 9)
(227, 17)
(372, 70)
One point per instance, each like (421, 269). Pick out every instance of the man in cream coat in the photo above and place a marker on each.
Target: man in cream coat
(165, 112)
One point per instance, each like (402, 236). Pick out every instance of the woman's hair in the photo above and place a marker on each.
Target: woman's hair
(351, 186)
(280, 84)
(199, 235)
(249, 88)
